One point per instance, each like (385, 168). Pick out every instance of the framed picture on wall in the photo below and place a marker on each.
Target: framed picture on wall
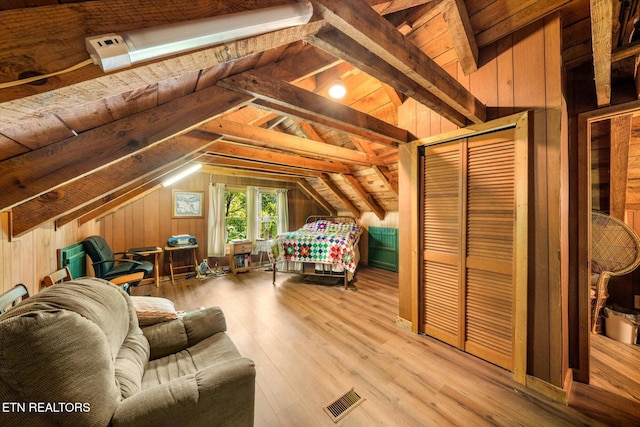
(188, 204)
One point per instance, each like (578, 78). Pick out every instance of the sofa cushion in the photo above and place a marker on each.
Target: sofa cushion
(216, 348)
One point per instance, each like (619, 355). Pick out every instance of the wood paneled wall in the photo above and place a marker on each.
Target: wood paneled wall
(148, 220)
(518, 73)
(34, 255)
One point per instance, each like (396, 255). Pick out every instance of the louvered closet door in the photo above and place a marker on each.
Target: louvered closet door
(489, 284)
(442, 219)
(469, 221)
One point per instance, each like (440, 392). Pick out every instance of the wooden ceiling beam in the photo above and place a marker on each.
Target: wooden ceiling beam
(266, 176)
(528, 12)
(326, 180)
(68, 25)
(625, 51)
(261, 137)
(366, 197)
(601, 39)
(367, 28)
(620, 135)
(464, 41)
(79, 193)
(406, 21)
(384, 7)
(387, 179)
(305, 104)
(308, 129)
(268, 156)
(36, 172)
(359, 56)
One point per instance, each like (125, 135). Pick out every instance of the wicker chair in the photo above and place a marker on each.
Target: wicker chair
(615, 250)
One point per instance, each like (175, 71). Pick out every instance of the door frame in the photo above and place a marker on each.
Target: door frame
(582, 215)
(520, 123)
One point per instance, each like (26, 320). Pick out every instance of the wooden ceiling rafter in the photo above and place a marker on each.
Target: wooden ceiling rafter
(317, 197)
(464, 41)
(385, 7)
(250, 173)
(408, 20)
(602, 34)
(56, 164)
(75, 195)
(328, 182)
(261, 137)
(496, 25)
(251, 166)
(387, 178)
(342, 46)
(366, 197)
(271, 157)
(370, 30)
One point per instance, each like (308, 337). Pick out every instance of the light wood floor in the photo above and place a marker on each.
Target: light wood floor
(311, 343)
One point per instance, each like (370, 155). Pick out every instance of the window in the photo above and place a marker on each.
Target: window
(238, 216)
(235, 214)
(268, 215)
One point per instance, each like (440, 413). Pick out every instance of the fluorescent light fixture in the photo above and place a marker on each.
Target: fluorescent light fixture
(177, 177)
(337, 90)
(115, 51)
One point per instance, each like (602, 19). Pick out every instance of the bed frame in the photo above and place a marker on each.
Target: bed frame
(309, 268)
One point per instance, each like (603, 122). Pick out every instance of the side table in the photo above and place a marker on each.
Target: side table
(147, 252)
(193, 252)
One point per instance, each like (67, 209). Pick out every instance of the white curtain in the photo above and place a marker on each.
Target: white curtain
(282, 205)
(217, 231)
(253, 213)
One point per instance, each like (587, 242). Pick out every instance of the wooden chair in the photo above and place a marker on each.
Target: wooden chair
(615, 250)
(13, 297)
(61, 275)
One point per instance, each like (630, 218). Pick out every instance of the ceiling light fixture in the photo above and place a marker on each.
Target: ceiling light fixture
(116, 51)
(178, 176)
(337, 90)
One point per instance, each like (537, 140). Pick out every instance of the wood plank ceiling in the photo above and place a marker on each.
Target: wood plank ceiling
(75, 145)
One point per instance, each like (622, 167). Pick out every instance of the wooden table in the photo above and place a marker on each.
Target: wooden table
(172, 249)
(151, 251)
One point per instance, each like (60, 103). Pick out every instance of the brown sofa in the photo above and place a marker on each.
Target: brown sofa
(74, 354)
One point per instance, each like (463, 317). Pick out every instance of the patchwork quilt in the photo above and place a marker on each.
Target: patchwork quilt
(319, 242)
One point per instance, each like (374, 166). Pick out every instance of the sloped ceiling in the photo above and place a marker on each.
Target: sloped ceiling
(80, 143)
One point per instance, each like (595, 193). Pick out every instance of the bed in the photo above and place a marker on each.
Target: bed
(324, 246)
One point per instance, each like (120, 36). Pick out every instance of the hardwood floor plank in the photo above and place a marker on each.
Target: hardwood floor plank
(311, 343)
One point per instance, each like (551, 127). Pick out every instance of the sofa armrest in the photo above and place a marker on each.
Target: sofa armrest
(203, 323)
(189, 329)
(221, 394)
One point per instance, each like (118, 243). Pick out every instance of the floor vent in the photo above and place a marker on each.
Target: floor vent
(343, 405)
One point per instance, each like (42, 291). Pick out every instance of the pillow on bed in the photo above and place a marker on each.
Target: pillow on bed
(320, 225)
(337, 227)
(152, 310)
